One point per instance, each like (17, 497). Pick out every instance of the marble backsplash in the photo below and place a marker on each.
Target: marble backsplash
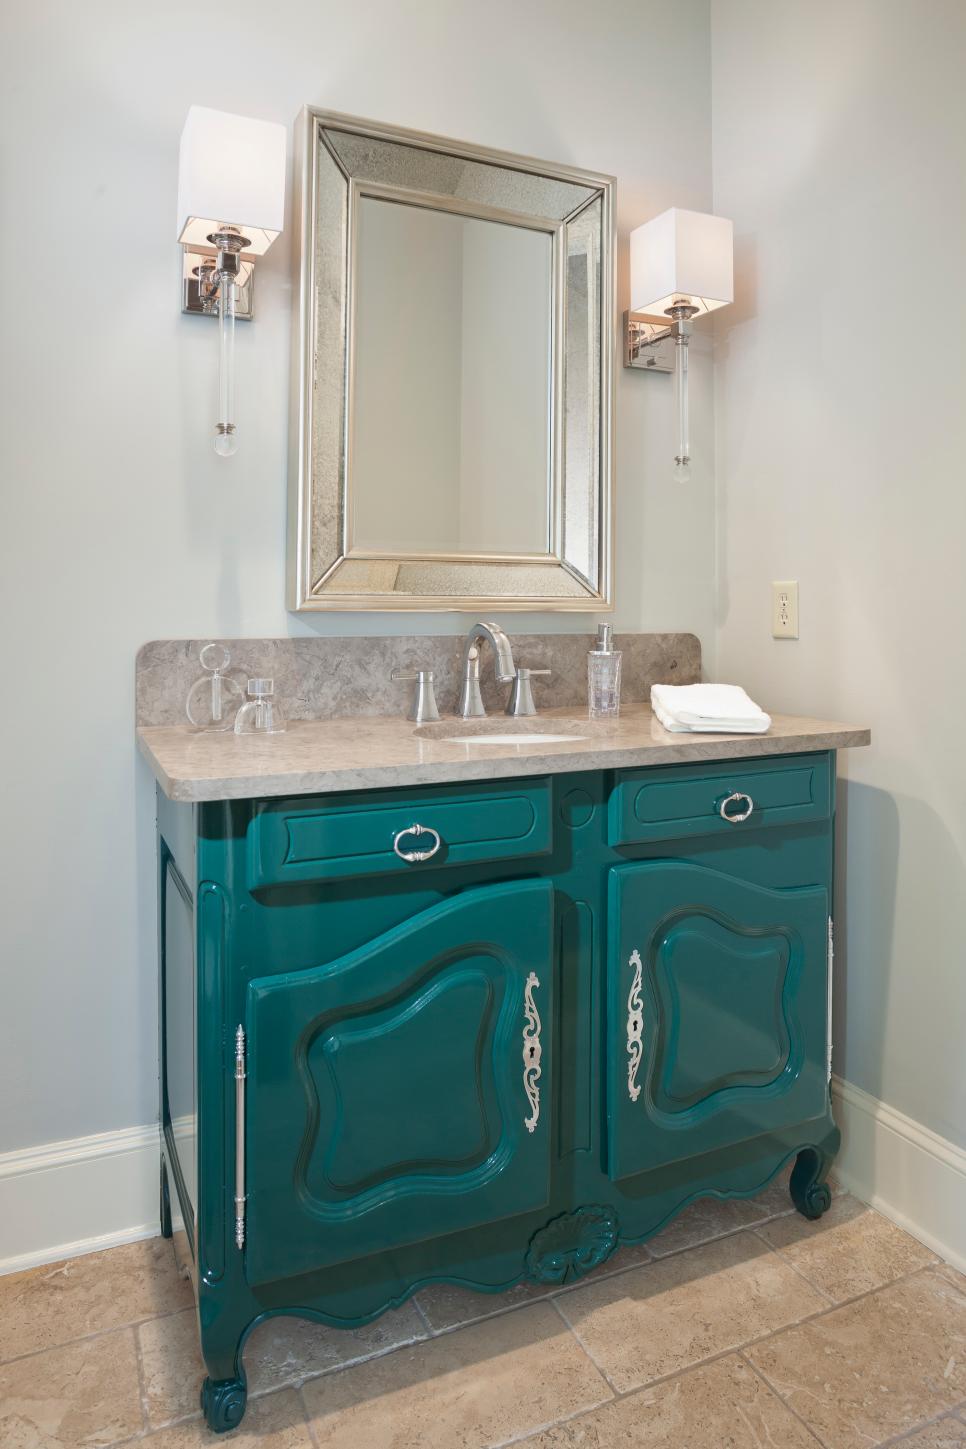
(318, 678)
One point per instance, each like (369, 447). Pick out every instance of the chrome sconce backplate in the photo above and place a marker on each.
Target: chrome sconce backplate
(200, 292)
(648, 342)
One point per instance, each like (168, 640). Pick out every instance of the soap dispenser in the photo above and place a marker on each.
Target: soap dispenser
(260, 715)
(604, 676)
(213, 700)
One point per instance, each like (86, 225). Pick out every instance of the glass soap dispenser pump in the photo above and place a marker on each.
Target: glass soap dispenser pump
(604, 676)
(260, 715)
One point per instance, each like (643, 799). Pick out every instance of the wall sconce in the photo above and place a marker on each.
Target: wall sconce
(681, 265)
(231, 205)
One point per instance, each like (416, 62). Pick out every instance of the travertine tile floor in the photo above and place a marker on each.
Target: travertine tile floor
(740, 1325)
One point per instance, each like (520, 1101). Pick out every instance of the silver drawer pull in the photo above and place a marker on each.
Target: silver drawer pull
(735, 817)
(413, 856)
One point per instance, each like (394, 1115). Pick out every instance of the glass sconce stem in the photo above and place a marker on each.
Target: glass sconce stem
(226, 438)
(681, 314)
(682, 456)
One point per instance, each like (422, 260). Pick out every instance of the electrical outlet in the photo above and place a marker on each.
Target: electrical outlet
(784, 609)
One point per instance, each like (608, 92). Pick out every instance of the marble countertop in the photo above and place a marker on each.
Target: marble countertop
(316, 756)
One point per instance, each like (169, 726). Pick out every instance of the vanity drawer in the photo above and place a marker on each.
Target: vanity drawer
(672, 802)
(338, 837)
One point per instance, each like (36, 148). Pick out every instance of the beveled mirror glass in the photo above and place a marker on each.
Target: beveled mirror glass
(455, 324)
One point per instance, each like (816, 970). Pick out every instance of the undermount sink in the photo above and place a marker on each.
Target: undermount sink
(499, 732)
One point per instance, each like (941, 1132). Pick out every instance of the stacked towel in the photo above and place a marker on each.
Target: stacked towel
(718, 708)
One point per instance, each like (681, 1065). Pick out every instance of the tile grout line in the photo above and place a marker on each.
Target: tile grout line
(621, 1394)
(174, 1423)
(598, 1276)
(741, 1348)
(583, 1347)
(712, 1238)
(825, 1313)
(135, 1323)
(500, 1312)
(303, 1405)
(181, 1419)
(421, 1312)
(795, 1269)
(299, 1379)
(528, 1434)
(848, 1302)
(776, 1395)
(142, 1383)
(907, 1434)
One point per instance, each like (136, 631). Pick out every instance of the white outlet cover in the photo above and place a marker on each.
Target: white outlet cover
(784, 609)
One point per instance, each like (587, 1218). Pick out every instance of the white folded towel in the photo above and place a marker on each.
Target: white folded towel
(715, 708)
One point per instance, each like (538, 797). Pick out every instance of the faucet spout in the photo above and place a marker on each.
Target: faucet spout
(493, 635)
(471, 701)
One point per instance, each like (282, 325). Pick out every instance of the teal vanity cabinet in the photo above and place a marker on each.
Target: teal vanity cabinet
(484, 1032)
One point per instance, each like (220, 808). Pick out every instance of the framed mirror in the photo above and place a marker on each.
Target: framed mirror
(455, 339)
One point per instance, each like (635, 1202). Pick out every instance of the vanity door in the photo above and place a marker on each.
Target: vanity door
(402, 1091)
(717, 1011)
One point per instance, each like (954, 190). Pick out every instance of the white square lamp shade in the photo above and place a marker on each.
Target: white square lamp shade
(231, 172)
(682, 257)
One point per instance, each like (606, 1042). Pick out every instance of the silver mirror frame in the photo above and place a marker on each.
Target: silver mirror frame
(322, 574)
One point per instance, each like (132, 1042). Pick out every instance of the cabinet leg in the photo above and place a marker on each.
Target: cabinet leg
(223, 1403)
(165, 1201)
(810, 1192)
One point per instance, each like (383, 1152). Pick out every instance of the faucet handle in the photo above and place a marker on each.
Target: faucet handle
(520, 703)
(423, 709)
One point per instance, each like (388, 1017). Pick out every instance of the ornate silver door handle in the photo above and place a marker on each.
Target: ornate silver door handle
(531, 1052)
(412, 856)
(735, 817)
(635, 1025)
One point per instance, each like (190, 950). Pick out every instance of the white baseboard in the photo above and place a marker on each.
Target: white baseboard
(67, 1198)
(907, 1172)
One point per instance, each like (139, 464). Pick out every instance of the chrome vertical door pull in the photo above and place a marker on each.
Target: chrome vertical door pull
(240, 1137)
(531, 1052)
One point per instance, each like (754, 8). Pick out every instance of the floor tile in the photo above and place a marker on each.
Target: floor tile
(849, 1251)
(480, 1385)
(722, 1405)
(286, 1350)
(953, 1276)
(948, 1433)
(710, 1217)
(276, 1421)
(668, 1315)
(876, 1367)
(171, 1366)
(78, 1396)
(64, 1301)
(446, 1305)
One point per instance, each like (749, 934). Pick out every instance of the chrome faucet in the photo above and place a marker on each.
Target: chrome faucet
(471, 701)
